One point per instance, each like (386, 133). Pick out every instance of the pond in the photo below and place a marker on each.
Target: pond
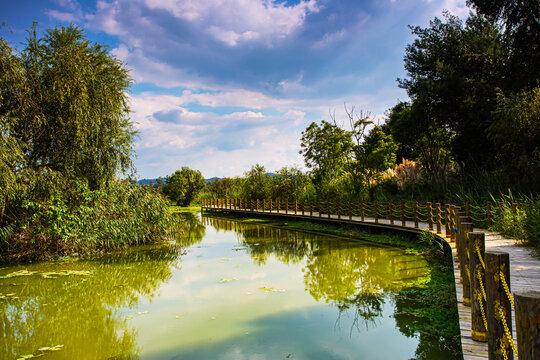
(237, 290)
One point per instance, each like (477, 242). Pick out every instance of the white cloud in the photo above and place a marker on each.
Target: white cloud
(239, 20)
(62, 16)
(329, 38)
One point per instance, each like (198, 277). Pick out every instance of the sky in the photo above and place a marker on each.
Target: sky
(222, 85)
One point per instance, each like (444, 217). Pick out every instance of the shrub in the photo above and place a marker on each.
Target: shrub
(77, 220)
(408, 174)
(532, 224)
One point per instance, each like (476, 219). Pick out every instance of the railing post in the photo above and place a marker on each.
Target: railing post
(310, 208)
(278, 206)
(349, 207)
(528, 324)
(464, 265)
(328, 210)
(264, 205)
(430, 216)
(448, 222)
(270, 205)
(287, 206)
(403, 221)
(338, 209)
(387, 209)
(416, 215)
(295, 207)
(303, 207)
(498, 310)
(392, 213)
(478, 301)
(362, 211)
(257, 205)
(453, 223)
(376, 205)
(439, 219)
(319, 207)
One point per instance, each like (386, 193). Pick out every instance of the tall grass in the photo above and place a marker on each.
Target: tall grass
(81, 221)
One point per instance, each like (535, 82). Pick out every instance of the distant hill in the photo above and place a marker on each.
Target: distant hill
(149, 181)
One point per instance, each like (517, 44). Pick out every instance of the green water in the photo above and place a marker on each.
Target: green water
(236, 291)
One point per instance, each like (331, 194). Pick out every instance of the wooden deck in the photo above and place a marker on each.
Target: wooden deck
(524, 267)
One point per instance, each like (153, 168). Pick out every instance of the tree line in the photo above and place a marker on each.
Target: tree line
(65, 140)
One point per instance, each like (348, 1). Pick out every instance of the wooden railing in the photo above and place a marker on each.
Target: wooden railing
(485, 276)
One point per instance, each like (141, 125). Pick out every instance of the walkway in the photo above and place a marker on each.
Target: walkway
(524, 268)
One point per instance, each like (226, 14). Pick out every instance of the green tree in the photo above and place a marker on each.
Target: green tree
(423, 139)
(453, 72)
(521, 23)
(65, 102)
(221, 187)
(257, 183)
(184, 185)
(289, 183)
(325, 148)
(373, 151)
(516, 134)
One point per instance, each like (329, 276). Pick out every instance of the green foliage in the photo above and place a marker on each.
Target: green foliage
(421, 138)
(183, 186)
(289, 183)
(516, 133)
(79, 220)
(221, 188)
(257, 183)
(65, 135)
(431, 241)
(325, 148)
(64, 102)
(453, 72)
(532, 224)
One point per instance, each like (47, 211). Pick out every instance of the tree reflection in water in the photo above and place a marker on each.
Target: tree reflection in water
(345, 273)
(352, 275)
(81, 312)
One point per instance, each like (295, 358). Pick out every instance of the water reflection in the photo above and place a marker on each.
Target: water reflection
(193, 230)
(80, 305)
(353, 276)
(346, 273)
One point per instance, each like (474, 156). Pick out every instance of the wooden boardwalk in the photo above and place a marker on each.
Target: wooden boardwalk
(524, 267)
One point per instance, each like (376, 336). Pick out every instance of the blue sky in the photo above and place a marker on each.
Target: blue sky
(224, 84)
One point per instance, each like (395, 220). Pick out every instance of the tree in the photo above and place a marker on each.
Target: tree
(289, 183)
(453, 73)
(184, 185)
(416, 130)
(221, 187)
(326, 149)
(256, 183)
(521, 23)
(516, 134)
(373, 151)
(65, 102)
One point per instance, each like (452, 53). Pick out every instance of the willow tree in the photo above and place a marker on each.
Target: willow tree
(64, 106)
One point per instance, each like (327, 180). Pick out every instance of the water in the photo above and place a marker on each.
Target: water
(237, 291)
